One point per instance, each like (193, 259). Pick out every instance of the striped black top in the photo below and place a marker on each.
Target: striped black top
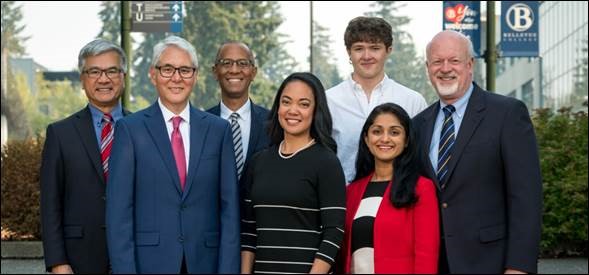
(293, 209)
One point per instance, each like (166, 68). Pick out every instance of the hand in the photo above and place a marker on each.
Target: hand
(62, 269)
(513, 271)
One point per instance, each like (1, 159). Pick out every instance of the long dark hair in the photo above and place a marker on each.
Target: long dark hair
(406, 166)
(321, 125)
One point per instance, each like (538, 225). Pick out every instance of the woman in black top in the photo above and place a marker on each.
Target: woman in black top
(294, 201)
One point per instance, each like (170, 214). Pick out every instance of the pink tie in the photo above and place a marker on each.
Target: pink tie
(178, 149)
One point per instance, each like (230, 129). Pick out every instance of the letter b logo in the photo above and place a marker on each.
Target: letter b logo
(519, 17)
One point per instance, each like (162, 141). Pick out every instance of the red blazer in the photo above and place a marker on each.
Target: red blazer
(406, 240)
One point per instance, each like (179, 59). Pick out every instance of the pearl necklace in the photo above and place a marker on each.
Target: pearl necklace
(295, 152)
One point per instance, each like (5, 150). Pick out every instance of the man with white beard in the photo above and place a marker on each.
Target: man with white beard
(480, 150)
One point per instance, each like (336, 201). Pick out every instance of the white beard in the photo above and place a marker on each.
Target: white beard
(448, 90)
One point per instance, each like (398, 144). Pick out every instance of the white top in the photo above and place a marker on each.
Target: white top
(184, 127)
(350, 106)
(244, 120)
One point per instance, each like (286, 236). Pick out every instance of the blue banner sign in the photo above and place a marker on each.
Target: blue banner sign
(464, 17)
(519, 28)
(156, 16)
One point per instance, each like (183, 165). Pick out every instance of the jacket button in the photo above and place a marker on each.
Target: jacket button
(444, 205)
(181, 239)
(104, 198)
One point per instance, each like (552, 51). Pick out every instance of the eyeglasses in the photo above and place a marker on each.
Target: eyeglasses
(168, 71)
(228, 63)
(111, 73)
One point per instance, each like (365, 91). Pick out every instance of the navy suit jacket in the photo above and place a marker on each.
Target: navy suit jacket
(259, 138)
(151, 222)
(73, 196)
(491, 206)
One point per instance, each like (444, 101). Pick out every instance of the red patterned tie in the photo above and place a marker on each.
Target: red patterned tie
(178, 149)
(106, 138)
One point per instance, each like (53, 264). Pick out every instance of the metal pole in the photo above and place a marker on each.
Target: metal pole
(126, 45)
(491, 53)
(311, 36)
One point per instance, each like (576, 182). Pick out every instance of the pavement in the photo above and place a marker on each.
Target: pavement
(27, 258)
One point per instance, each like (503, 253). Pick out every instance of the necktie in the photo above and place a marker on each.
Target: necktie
(178, 149)
(237, 144)
(447, 138)
(106, 137)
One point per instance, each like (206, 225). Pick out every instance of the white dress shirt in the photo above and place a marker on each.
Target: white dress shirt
(184, 127)
(244, 121)
(350, 106)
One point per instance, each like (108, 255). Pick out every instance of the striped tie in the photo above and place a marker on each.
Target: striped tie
(237, 144)
(106, 137)
(447, 138)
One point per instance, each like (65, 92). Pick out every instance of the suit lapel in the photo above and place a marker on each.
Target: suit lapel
(427, 129)
(156, 126)
(85, 128)
(472, 117)
(255, 129)
(199, 128)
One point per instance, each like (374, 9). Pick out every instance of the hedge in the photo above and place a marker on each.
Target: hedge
(562, 139)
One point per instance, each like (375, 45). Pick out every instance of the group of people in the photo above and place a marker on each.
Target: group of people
(361, 178)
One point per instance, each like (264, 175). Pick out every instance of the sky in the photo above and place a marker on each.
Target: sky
(59, 29)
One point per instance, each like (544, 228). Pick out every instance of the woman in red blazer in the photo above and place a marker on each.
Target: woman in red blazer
(392, 223)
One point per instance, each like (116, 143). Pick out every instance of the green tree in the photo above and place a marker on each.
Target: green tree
(12, 46)
(110, 15)
(404, 65)
(323, 62)
(142, 86)
(12, 39)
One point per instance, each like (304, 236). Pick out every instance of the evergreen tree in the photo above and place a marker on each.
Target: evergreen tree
(12, 45)
(404, 65)
(142, 86)
(110, 15)
(323, 62)
(12, 39)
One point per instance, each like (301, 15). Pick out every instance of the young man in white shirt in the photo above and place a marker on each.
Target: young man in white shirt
(369, 43)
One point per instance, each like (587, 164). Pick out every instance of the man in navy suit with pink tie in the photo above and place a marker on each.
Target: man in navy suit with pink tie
(172, 194)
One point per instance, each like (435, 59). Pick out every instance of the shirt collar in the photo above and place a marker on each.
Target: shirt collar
(244, 111)
(357, 87)
(116, 113)
(168, 115)
(460, 104)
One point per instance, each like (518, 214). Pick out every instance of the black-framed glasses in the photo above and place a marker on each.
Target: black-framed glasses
(168, 71)
(112, 73)
(228, 63)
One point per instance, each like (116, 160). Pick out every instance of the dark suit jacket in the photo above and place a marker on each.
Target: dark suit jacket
(491, 207)
(259, 138)
(152, 224)
(73, 196)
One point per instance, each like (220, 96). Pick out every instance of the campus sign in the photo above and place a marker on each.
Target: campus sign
(519, 28)
(156, 16)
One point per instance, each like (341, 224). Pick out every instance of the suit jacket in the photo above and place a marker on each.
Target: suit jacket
(406, 240)
(491, 206)
(259, 138)
(73, 196)
(151, 222)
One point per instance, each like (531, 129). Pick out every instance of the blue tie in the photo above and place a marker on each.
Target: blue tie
(447, 138)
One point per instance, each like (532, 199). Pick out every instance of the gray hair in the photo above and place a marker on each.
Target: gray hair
(179, 42)
(100, 46)
(461, 36)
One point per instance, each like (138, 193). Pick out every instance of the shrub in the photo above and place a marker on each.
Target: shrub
(21, 160)
(562, 141)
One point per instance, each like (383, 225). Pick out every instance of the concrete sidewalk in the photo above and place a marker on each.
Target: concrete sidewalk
(27, 258)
